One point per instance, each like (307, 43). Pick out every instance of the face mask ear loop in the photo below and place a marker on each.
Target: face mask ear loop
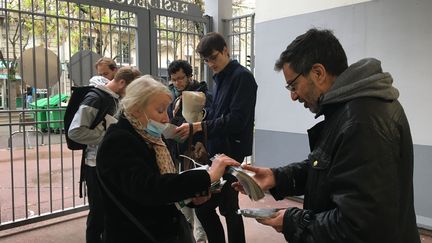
(146, 116)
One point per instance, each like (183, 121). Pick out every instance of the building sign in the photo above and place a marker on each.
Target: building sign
(168, 5)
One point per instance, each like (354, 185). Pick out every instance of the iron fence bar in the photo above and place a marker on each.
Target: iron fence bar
(65, 18)
(24, 135)
(36, 102)
(240, 17)
(17, 223)
(10, 117)
(240, 33)
(60, 92)
(127, 28)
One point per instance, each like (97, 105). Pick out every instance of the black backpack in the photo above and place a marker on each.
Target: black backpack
(78, 95)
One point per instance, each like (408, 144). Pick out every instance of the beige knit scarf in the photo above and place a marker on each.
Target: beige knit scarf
(163, 156)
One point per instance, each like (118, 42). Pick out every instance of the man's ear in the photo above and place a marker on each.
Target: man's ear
(319, 73)
(225, 51)
(323, 80)
(122, 83)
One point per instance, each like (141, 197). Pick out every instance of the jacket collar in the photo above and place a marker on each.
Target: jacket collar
(227, 71)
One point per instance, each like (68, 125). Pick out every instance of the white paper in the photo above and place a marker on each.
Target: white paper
(170, 131)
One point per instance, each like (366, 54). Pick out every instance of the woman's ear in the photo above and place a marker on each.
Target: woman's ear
(135, 113)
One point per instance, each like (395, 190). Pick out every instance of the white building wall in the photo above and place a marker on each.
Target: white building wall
(397, 32)
(274, 9)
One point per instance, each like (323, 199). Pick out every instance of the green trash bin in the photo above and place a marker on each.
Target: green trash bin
(57, 114)
(19, 102)
(40, 116)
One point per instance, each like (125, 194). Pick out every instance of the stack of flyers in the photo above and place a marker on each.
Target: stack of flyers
(259, 213)
(252, 189)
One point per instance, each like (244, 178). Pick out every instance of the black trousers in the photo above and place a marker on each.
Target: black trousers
(227, 201)
(95, 218)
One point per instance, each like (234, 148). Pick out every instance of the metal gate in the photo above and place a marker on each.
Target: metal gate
(239, 32)
(46, 47)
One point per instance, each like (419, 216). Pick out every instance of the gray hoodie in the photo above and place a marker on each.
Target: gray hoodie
(364, 78)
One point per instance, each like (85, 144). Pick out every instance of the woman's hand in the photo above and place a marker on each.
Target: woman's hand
(217, 169)
(263, 176)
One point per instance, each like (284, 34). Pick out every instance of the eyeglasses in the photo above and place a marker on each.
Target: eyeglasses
(178, 79)
(290, 86)
(211, 58)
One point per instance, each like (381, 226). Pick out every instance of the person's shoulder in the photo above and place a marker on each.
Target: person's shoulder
(121, 131)
(171, 87)
(199, 86)
(243, 74)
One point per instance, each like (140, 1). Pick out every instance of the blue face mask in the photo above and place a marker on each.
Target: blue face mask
(155, 128)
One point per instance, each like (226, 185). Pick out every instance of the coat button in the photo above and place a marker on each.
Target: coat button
(315, 163)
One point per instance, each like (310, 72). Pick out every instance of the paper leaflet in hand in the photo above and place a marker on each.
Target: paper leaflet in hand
(259, 213)
(214, 187)
(170, 131)
(252, 189)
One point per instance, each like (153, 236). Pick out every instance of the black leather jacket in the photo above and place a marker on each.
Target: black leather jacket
(357, 181)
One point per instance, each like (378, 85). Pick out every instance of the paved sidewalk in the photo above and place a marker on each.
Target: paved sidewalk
(70, 229)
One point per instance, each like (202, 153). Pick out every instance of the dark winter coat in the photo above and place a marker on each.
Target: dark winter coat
(230, 120)
(127, 165)
(179, 148)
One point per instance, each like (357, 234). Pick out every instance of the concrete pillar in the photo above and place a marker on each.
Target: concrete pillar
(218, 9)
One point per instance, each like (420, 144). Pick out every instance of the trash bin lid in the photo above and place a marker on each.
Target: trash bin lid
(40, 103)
(53, 101)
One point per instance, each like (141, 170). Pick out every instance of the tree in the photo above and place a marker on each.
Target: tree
(41, 22)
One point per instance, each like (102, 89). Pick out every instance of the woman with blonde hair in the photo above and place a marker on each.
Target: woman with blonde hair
(136, 168)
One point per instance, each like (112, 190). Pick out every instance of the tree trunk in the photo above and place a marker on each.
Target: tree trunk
(12, 95)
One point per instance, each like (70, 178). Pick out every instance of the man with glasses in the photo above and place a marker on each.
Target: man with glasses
(180, 74)
(230, 123)
(357, 181)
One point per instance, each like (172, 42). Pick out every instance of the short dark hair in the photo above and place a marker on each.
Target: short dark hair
(128, 74)
(314, 46)
(107, 61)
(176, 65)
(210, 42)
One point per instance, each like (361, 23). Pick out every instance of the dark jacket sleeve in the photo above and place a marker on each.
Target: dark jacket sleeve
(128, 166)
(241, 107)
(363, 184)
(290, 180)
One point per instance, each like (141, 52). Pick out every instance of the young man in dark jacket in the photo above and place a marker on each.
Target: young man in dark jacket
(80, 132)
(357, 181)
(230, 123)
(180, 74)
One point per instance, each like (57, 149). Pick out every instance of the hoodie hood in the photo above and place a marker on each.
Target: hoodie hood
(362, 79)
(98, 80)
